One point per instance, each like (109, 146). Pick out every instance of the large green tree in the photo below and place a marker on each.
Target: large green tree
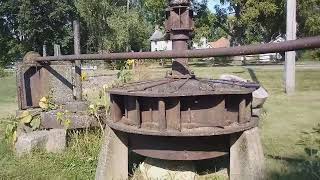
(249, 21)
(308, 17)
(46, 22)
(113, 26)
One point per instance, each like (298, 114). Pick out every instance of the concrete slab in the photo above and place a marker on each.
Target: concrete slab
(113, 158)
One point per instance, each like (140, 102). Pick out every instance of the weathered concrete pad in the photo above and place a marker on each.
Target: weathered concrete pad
(246, 156)
(78, 120)
(162, 170)
(113, 157)
(52, 141)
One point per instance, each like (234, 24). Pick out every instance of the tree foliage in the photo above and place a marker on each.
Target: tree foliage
(249, 21)
(112, 26)
(126, 25)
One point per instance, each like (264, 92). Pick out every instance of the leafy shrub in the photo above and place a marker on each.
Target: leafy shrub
(310, 140)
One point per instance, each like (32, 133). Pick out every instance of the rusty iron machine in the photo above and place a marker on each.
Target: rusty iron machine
(179, 117)
(182, 117)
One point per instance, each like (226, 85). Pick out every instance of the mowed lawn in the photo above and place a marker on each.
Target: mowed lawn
(282, 124)
(8, 91)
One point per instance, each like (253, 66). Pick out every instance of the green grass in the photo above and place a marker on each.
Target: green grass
(8, 94)
(285, 118)
(78, 162)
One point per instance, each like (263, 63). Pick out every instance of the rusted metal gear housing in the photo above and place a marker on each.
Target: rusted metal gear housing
(182, 117)
(164, 117)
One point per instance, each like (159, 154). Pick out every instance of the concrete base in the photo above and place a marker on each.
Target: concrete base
(246, 160)
(162, 170)
(246, 156)
(76, 106)
(78, 120)
(53, 141)
(113, 158)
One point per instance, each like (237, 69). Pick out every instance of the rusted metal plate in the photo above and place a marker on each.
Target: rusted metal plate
(202, 131)
(179, 148)
(185, 87)
(300, 44)
(35, 81)
(31, 85)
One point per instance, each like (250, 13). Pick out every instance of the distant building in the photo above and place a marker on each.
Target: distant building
(159, 42)
(204, 44)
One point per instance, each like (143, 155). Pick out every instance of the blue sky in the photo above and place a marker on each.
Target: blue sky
(212, 3)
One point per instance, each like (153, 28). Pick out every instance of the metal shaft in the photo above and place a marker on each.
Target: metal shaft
(300, 44)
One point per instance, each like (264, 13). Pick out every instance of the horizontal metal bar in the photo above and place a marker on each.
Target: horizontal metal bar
(300, 44)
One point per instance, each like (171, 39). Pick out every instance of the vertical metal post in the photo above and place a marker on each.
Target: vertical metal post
(77, 51)
(179, 25)
(290, 56)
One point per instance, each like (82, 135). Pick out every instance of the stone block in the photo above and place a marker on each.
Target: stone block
(76, 106)
(257, 112)
(57, 141)
(31, 111)
(78, 120)
(259, 98)
(163, 169)
(60, 82)
(30, 141)
(246, 156)
(53, 141)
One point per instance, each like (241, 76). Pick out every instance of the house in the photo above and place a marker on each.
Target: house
(159, 41)
(204, 44)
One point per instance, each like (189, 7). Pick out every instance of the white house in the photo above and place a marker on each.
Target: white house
(159, 42)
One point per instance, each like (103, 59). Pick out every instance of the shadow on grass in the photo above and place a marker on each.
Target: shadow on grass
(210, 166)
(253, 75)
(294, 169)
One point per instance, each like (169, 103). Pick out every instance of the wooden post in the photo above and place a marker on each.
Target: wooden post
(44, 50)
(77, 51)
(290, 56)
(57, 50)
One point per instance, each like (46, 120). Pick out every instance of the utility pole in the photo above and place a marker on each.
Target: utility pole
(290, 62)
(77, 51)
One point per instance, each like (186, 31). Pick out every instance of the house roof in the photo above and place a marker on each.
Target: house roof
(157, 35)
(221, 43)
